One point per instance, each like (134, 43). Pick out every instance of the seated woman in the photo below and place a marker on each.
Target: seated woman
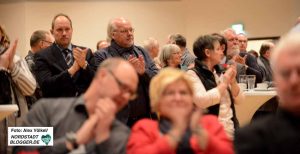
(181, 129)
(170, 56)
(215, 91)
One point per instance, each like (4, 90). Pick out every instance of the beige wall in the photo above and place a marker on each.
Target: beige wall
(156, 18)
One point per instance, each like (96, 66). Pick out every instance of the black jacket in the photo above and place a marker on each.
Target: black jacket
(51, 72)
(208, 80)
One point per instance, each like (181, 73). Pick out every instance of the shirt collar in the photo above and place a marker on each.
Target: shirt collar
(61, 49)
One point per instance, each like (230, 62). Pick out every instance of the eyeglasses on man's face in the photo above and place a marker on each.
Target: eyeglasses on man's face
(123, 87)
(125, 31)
(47, 41)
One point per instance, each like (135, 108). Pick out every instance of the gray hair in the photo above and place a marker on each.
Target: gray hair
(150, 43)
(110, 29)
(166, 53)
(38, 36)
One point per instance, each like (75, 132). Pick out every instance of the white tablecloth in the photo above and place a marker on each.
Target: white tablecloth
(253, 100)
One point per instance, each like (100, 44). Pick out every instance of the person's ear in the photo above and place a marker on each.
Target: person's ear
(223, 47)
(40, 44)
(207, 52)
(51, 31)
(112, 34)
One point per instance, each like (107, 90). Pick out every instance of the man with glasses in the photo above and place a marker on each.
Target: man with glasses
(39, 40)
(278, 133)
(121, 34)
(244, 66)
(64, 69)
(87, 124)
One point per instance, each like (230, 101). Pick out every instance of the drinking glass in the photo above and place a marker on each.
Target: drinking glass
(251, 81)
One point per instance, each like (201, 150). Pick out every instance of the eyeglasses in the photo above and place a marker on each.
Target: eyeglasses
(124, 88)
(47, 41)
(131, 30)
(232, 39)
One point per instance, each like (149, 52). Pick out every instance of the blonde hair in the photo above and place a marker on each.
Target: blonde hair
(164, 78)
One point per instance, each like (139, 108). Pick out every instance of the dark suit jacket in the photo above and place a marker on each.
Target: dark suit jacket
(253, 68)
(51, 72)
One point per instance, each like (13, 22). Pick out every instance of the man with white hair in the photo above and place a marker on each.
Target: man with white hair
(121, 33)
(278, 133)
(247, 63)
(151, 45)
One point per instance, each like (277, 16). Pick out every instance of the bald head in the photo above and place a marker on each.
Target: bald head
(285, 61)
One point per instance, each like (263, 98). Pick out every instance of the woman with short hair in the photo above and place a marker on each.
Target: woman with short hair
(181, 129)
(215, 91)
(170, 56)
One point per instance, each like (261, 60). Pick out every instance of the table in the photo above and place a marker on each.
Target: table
(6, 110)
(253, 100)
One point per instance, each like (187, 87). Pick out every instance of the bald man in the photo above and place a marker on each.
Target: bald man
(87, 124)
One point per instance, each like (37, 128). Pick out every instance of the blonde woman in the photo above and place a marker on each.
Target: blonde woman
(181, 129)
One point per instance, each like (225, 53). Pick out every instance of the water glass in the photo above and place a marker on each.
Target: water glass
(251, 81)
(243, 79)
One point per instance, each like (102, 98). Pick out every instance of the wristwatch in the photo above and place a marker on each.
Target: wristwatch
(71, 138)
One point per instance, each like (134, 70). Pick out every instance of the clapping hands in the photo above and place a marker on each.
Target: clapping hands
(137, 63)
(97, 126)
(6, 59)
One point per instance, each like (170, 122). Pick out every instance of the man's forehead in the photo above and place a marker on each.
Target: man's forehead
(289, 57)
(242, 37)
(61, 20)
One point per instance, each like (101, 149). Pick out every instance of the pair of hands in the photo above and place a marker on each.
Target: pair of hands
(229, 77)
(138, 63)
(6, 59)
(183, 117)
(79, 56)
(97, 126)
(239, 59)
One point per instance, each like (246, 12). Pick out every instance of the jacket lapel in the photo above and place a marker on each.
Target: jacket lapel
(57, 58)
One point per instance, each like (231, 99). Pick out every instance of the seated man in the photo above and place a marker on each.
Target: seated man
(278, 133)
(89, 119)
(264, 60)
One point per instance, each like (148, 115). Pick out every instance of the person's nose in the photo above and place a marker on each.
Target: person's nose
(177, 96)
(295, 78)
(64, 32)
(125, 96)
